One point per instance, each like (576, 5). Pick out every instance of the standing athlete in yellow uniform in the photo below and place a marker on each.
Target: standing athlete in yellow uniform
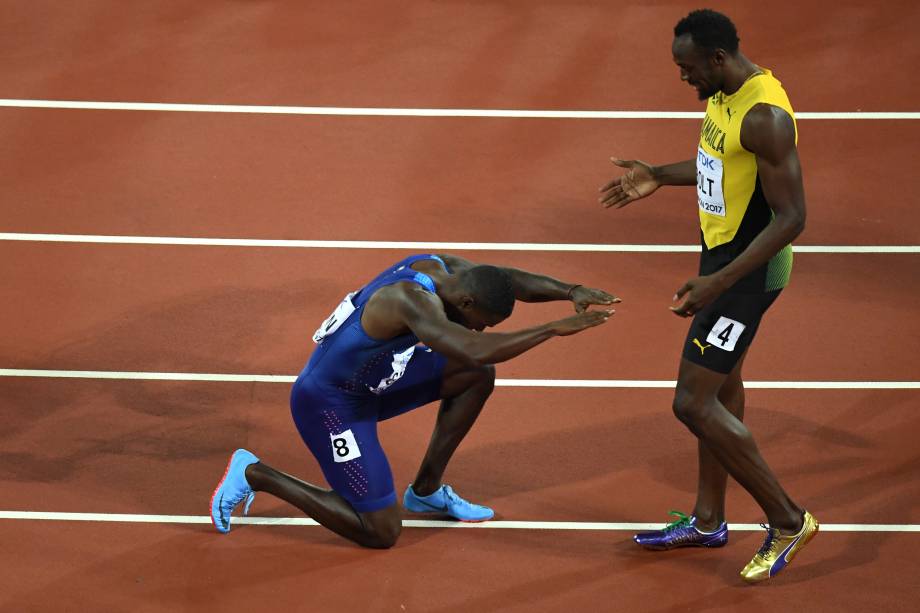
(751, 205)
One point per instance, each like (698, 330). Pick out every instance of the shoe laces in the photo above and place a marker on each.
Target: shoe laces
(243, 495)
(682, 521)
(769, 543)
(451, 496)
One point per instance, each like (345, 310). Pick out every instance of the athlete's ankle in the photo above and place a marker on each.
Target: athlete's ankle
(790, 524)
(708, 522)
(425, 488)
(254, 474)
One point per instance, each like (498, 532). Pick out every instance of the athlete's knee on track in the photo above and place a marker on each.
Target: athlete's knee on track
(382, 539)
(382, 530)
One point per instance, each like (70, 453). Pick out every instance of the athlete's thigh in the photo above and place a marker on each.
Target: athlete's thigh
(341, 432)
(721, 333)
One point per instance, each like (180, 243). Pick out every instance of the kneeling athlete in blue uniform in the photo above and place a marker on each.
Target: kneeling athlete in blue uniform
(369, 366)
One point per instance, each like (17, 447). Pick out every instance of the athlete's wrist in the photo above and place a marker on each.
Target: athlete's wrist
(723, 280)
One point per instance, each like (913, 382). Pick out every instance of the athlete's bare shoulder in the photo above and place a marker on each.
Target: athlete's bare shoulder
(391, 308)
(767, 130)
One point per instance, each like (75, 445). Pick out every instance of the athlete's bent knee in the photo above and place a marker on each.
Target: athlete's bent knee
(689, 408)
(382, 540)
(487, 376)
(382, 535)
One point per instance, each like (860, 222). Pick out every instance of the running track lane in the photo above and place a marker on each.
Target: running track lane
(159, 447)
(584, 55)
(241, 310)
(564, 581)
(361, 178)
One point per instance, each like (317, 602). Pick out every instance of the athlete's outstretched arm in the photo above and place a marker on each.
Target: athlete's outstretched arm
(643, 179)
(423, 313)
(769, 133)
(534, 287)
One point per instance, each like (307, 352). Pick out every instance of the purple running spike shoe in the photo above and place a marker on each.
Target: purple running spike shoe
(682, 533)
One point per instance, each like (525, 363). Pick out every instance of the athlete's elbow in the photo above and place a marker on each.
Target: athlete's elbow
(798, 223)
(469, 357)
(473, 361)
(793, 223)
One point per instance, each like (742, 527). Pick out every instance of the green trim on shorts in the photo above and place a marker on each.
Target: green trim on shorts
(779, 269)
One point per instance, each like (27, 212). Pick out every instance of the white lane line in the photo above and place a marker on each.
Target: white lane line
(408, 112)
(578, 383)
(415, 245)
(413, 523)
(145, 376)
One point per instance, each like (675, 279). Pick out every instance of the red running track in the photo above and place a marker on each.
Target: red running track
(547, 455)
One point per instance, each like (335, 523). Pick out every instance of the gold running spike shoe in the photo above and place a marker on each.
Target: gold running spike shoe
(778, 550)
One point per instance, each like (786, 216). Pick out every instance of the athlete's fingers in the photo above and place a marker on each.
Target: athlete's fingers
(580, 307)
(613, 184)
(686, 287)
(612, 197)
(616, 192)
(623, 163)
(618, 201)
(616, 189)
(596, 318)
(601, 317)
(602, 297)
(682, 310)
(608, 197)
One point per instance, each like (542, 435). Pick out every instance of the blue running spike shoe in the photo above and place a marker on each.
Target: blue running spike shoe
(682, 533)
(232, 490)
(445, 501)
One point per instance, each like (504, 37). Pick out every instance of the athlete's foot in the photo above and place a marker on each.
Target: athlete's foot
(424, 489)
(232, 490)
(446, 502)
(778, 550)
(684, 532)
(791, 525)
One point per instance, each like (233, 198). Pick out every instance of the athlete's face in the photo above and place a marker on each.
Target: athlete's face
(698, 67)
(470, 316)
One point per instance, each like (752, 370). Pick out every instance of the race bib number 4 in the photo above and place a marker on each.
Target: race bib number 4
(338, 317)
(709, 184)
(725, 333)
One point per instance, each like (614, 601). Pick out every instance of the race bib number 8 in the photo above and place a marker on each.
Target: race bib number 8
(338, 317)
(344, 446)
(709, 184)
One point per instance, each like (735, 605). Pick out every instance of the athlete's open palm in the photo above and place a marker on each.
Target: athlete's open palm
(638, 182)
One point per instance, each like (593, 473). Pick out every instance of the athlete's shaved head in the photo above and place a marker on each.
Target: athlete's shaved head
(705, 48)
(491, 289)
(709, 30)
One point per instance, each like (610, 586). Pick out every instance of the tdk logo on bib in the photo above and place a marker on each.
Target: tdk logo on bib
(709, 184)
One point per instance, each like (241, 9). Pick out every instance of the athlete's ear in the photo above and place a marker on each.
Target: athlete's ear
(718, 57)
(466, 302)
